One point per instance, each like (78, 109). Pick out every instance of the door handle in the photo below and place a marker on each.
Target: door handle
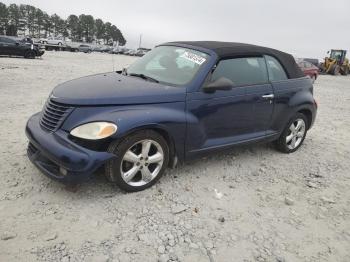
(269, 96)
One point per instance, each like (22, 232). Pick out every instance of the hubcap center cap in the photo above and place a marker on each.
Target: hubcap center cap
(143, 162)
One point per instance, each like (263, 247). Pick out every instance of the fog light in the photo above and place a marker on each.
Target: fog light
(63, 171)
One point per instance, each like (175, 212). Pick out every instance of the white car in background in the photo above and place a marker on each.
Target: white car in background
(51, 40)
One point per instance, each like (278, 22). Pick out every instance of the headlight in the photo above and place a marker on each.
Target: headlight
(94, 130)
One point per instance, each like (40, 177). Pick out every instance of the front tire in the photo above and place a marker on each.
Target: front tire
(141, 160)
(293, 135)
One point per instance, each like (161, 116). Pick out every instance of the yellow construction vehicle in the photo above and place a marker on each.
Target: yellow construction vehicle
(336, 63)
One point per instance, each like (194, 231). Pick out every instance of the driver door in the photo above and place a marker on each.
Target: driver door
(228, 117)
(7, 46)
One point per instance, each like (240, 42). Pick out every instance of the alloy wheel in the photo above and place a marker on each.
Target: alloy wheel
(296, 133)
(142, 162)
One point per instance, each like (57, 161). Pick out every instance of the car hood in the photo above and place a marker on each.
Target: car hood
(115, 89)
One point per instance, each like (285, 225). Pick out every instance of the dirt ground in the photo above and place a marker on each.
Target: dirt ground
(248, 204)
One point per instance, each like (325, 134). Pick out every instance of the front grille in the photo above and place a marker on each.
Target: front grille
(53, 115)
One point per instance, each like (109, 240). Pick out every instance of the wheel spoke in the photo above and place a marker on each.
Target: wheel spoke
(292, 127)
(142, 162)
(300, 134)
(131, 157)
(288, 138)
(158, 157)
(146, 174)
(146, 146)
(299, 125)
(294, 140)
(130, 174)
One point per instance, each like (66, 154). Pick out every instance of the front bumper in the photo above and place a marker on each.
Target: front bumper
(58, 157)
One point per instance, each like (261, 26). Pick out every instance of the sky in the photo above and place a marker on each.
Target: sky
(304, 28)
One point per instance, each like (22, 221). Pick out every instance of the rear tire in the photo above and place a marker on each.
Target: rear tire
(344, 70)
(30, 54)
(136, 168)
(293, 135)
(335, 69)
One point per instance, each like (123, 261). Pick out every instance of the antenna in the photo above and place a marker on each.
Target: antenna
(140, 41)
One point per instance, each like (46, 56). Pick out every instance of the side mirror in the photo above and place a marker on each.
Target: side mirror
(221, 83)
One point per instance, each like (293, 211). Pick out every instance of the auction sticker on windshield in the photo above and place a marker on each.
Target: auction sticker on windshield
(193, 58)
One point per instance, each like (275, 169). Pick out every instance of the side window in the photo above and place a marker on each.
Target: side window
(242, 71)
(308, 65)
(9, 40)
(276, 71)
(6, 40)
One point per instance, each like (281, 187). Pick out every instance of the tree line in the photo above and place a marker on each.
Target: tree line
(31, 21)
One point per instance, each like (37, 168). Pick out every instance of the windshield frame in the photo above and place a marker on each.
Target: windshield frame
(202, 67)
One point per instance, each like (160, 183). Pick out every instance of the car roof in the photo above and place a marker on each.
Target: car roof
(233, 49)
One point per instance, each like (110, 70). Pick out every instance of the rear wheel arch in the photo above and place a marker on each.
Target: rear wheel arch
(308, 114)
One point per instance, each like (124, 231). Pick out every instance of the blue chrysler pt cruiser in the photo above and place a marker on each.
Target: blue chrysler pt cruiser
(180, 100)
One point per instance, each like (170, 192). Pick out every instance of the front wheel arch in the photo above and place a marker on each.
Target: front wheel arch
(173, 156)
(113, 167)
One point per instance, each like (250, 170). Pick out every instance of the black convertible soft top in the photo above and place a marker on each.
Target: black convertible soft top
(228, 49)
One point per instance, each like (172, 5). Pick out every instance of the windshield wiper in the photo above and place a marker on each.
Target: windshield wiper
(144, 77)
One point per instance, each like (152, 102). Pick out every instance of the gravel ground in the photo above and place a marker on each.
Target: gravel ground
(247, 204)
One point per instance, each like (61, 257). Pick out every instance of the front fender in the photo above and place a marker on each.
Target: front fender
(168, 117)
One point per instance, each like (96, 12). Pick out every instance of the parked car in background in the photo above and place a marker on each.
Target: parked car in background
(85, 48)
(140, 53)
(97, 48)
(53, 41)
(130, 52)
(309, 69)
(116, 50)
(313, 61)
(102, 48)
(123, 50)
(107, 49)
(180, 101)
(15, 46)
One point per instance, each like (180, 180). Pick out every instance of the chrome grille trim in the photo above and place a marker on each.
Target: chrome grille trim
(54, 114)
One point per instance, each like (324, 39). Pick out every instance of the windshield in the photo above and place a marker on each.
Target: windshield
(336, 54)
(169, 64)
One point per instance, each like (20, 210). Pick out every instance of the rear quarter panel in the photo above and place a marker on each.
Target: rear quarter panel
(291, 96)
